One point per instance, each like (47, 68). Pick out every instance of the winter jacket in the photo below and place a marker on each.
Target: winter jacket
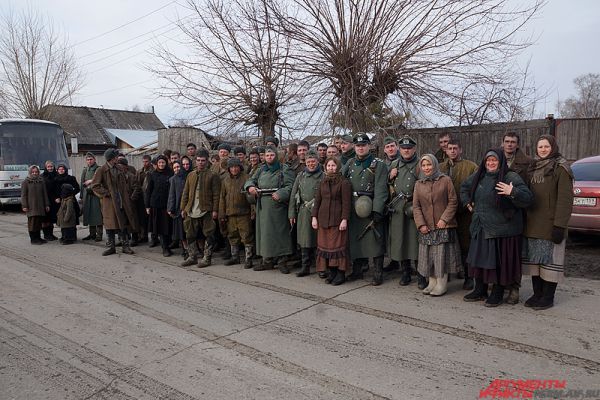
(157, 191)
(435, 200)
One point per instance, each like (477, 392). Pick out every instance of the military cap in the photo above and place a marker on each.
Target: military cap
(202, 153)
(312, 154)
(88, 154)
(261, 149)
(110, 154)
(270, 149)
(234, 162)
(406, 142)
(361, 138)
(389, 139)
(123, 161)
(254, 150)
(224, 146)
(239, 149)
(346, 138)
(272, 139)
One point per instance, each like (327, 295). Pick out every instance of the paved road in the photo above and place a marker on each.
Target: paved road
(76, 325)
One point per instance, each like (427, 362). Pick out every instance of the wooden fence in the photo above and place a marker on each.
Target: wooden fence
(77, 162)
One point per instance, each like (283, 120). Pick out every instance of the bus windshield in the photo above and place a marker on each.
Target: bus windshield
(25, 142)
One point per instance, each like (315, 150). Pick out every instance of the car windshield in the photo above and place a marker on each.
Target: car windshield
(586, 171)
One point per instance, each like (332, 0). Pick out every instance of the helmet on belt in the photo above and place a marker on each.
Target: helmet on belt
(363, 206)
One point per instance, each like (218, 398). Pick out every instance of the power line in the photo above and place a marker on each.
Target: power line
(124, 25)
(119, 88)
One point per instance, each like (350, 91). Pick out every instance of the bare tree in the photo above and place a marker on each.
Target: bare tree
(235, 71)
(413, 55)
(38, 69)
(586, 103)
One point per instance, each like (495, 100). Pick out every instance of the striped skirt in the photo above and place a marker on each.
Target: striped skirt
(544, 259)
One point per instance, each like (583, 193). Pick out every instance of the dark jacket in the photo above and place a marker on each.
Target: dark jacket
(34, 197)
(333, 202)
(62, 179)
(176, 184)
(210, 189)
(157, 191)
(520, 164)
(52, 193)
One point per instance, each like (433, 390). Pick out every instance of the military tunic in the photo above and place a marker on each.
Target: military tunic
(402, 241)
(234, 207)
(301, 204)
(92, 211)
(368, 175)
(272, 225)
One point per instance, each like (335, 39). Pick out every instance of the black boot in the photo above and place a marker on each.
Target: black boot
(392, 266)
(282, 265)
(340, 277)
(537, 284)
(479, 293)
(468, 283)
(332, 272)
(126, 249)
(92, 234)
(135, 239)
(154, 241)
(323, 274)
(235, 256)
(110, 243)
(496, 297)
(33, 236)
(377, 271)
(547, 299)
(48, 235)
(421, 281)
(305, 262)
(406, 273)
(164, 241)
(98, 233)
(356, 270)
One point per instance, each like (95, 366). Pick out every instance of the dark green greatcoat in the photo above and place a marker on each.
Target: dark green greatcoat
(92, 210)
(402, 241)
(301, 204)
(368, 175)
(272, 225)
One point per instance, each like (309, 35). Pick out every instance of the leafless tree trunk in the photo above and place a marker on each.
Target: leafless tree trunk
(413, 55)
(38, 69)
(586, 104)
(235, 71)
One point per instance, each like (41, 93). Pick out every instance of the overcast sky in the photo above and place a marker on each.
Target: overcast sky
(112, 37)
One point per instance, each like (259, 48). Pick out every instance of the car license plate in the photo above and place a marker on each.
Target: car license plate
(584, 201)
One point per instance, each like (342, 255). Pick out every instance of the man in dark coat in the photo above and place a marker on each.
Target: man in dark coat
(92, 211)
(119, 190)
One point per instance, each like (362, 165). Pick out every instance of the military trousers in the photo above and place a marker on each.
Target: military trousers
(239, 229)
(199, 228)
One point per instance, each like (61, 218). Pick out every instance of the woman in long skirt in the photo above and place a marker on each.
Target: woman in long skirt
(156, 198)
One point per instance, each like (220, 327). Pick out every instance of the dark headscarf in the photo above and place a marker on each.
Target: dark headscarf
(498, 175)
(543, 167)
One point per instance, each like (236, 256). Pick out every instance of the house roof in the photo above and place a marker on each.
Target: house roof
(91, 125)
(134, 138)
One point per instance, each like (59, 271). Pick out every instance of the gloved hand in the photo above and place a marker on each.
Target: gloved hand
(377, 217)
(558, 234)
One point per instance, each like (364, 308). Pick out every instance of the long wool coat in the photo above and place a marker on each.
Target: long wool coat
(368, 175)
(301, 203)
(119, 190)
(272, 225)
(34, 197)
(92, 210)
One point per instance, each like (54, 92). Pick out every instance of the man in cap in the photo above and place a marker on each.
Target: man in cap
(234, 213)
(390, 148)
(199, 210)
(459, 169)
(443, 139)
(92, 211)
(220, 168)
(368, 177)
(118, 190)
(322, 152)
(272, 186)
(253, 161)
(347, 149)
(300, 208)
(240, 153)
(403, 246)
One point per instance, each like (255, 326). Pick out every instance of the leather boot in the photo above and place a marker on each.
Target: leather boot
(207, 258)
(282, 265)
(405, 278)
(33, 236)
(332, 272)
(98, 233)
(356, 270)
(135, 239)
(537, 283)
(192, 257)
(340, 277)
(305, 262)
(228, 252)
(126, 249)
(377, 271)
(110, 243)
(441, 286)
(479, 293)
(235, 256)
(92, 234)
(431, 285)
(164, 241)
(48, 235)
(468, 283)
(421, 281)
(248, 254)
(264, 265)
(496, 296)
(513, 294)
(392, 266)
(547, 299)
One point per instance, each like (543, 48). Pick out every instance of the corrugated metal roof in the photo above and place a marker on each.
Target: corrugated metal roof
(133, 137)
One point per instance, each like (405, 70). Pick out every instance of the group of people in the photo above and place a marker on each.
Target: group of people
(338, 209)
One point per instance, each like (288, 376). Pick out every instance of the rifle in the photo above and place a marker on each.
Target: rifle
(371, 226)
(260, 193)
(390, 207)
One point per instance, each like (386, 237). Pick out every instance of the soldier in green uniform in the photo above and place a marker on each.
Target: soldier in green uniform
(299, 211)
(234, 212)
(347, 149)
(220, 168)
(402, 243)
(272, 186)
(368, 177)
(92, 211)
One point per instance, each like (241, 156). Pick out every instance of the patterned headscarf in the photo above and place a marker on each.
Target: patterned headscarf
(436, 168)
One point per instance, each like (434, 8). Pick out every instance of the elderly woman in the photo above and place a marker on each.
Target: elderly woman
(156, 199)
(330, 214)
(35, 203)
(551, 181)
(434, 210)
(496, 197)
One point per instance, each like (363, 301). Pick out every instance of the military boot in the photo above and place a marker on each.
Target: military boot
(91, 235)
(110, 244)
(248, 254)
(282, 265)
(235, 256)
(192, 257)
(356, 270)
(207, 258)
(98, 233)
(405, 278)
(377, 271)
(266, 264)
(305, 262)
(126, 249)
(392, 266)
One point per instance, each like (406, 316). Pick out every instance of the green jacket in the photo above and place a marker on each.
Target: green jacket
(301, 204)
(92, 211)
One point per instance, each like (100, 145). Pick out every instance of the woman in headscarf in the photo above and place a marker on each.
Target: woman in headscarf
(551, 181)
(434, 209)
(330, 214)
(35, 203)
(496, 197)
(176, 184)
(156, 198)
(49, 176)
(63, 177)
